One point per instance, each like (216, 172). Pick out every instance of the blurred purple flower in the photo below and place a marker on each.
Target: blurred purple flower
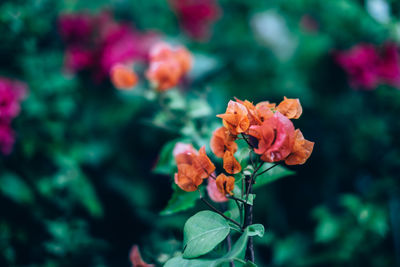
(367, 67)
(6, 138)
(11, 93)
(196, 16)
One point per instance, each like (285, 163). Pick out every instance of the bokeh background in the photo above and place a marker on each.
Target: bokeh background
(78, 186)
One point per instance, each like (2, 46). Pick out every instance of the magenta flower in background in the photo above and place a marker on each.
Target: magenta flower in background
(367, 67)
(389, 65)
(361, 64)
(6, 138)
(98, 42)
(196, 16)
(75, 28)
(11, 93)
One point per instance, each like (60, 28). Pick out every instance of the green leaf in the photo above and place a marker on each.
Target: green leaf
(15, 188)
(181, 262)
(198, 108)
(233, 255)
(272, 175)
(203, 232)
(166, 163)
(256, 229)
(180, 201)
(240, 245)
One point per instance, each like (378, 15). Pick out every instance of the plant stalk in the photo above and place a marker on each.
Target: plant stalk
(248, 220)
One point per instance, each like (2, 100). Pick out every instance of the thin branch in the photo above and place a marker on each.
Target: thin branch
(212, 175)
(235, 198)
(252, 179)
(276, 164)
(247, 141)
(217, 211)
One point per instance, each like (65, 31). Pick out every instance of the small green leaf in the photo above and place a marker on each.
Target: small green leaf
(272, 175)
(15, 188)
(180, 201)
(248, 170)
(198, 108)
(256, 229)
(203, 232)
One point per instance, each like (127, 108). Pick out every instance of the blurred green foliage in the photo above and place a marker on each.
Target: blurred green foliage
(78, 191)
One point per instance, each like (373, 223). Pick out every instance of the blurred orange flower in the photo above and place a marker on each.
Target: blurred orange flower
(184, 58)
(123, 77)
(164, 75)
(231, 165)
(275, 138)
(302, 150)
(225, 184)
(290, 108)
(222, 141)
(167, 65)
(235, 118)
(188, 178)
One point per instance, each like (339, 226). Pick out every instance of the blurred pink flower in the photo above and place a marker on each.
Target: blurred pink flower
(11, 93)
(98, 42)
(196, 16)
(361, 64)
(6, 138)
(367, 67)
(213, 192)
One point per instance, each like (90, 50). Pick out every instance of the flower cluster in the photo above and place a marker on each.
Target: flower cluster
(98, 43)
(269, 132)
(367, 67)
(196, 17)
(166, 68)
(11, 94)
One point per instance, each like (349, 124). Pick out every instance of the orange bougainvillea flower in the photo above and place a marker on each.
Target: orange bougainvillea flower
(251, 111)
(231, 165)
(193, 166)
(164, 74)
(188, 178)
(222, 141)
(203, 164)
(214, 193)
(225, 184)
(136, 258)
(123, 77)
(235, 118)
(184, 153)
(290, 108)
(275, 138)
(301, 151)
(265, 110)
